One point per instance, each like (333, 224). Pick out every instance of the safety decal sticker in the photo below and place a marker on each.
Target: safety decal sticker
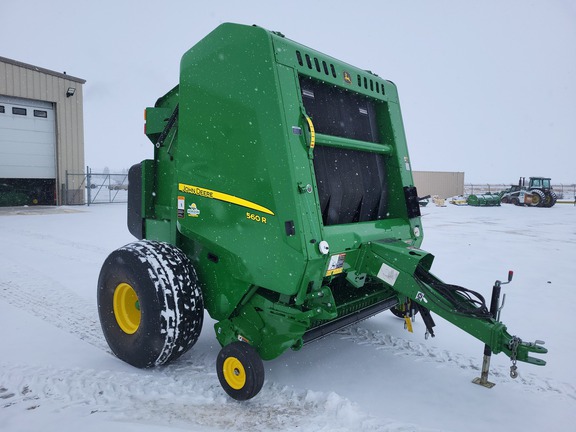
(336, 264)
(407, 162)
(181, 207)
(388, 274)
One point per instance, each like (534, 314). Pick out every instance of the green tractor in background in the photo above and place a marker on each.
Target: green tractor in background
(279, 199)
(538, 193)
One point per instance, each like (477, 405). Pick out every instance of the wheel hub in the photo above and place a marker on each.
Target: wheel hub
(234, 373)
(126, 308)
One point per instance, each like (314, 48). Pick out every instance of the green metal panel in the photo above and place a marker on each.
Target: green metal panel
(237, 150)
(239, 172)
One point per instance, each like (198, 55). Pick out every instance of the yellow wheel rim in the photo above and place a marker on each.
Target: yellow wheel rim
(234, 373)
(126, 308)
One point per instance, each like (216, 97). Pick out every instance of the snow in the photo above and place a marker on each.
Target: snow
(57, 373)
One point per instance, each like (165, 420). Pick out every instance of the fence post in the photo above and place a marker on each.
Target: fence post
(88, 186)
(66, 191)
(109, 177)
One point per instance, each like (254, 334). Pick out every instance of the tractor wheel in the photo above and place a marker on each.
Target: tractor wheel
(505, 200)
(550, 199)
(240, 370)
(149, 303)
(538, 198)
(515, 201)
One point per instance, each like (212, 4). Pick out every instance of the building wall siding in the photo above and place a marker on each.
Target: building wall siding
(443, 184)
(26, 81)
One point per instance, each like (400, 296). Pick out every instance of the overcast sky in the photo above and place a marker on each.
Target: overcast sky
(486, 87)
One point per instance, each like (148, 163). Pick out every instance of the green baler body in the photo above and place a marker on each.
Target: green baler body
(277, 151)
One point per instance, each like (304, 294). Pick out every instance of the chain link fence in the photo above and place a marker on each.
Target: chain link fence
(95, 188)
(98, 188)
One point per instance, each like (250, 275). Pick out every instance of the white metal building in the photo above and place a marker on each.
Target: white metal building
(41, 133)
(441, 183)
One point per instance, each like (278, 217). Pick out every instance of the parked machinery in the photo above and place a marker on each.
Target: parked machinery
(483, 200)
(538, 193)
(279, 198)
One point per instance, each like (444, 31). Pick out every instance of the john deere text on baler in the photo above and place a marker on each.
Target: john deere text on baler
(280, 198)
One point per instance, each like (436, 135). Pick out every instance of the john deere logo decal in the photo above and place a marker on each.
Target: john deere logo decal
(347, 78)
(193, 210)
(220, 196)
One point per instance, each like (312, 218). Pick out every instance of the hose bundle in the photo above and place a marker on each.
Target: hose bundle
(464, 301)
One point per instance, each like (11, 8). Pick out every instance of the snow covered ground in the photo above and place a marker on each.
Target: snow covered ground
(57, 373)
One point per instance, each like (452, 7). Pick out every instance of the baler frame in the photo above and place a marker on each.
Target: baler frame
(282, 176)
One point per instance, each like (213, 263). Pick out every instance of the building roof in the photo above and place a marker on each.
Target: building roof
(42, 70)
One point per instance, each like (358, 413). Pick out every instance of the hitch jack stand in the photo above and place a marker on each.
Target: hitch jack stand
(495, 309)
(483, 378)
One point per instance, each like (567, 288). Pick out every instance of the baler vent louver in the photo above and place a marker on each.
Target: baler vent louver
(370, 84)
(314, 63)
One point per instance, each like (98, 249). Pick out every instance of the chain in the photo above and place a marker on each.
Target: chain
(513, 345)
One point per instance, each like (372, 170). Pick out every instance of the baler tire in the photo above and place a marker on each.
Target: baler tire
(149, 302)
(240, 370)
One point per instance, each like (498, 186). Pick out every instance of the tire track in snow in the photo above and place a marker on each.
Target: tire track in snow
(404, 347)
(46, 242)
(163, 396)
(184, 392)
(46, 299)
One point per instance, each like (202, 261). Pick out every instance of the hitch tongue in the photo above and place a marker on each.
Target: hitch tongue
(533, 347)
(519, 351)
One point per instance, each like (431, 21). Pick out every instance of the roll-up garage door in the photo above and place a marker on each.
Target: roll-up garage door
(27, 151)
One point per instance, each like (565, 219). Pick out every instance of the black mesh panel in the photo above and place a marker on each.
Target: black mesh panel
(351, 183)
(335, 111)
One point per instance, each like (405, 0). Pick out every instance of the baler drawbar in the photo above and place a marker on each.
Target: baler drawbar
(279, 199)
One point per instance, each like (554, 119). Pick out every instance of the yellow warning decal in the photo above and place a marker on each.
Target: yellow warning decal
(220, 196)
(336, 264)
(312, 132)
